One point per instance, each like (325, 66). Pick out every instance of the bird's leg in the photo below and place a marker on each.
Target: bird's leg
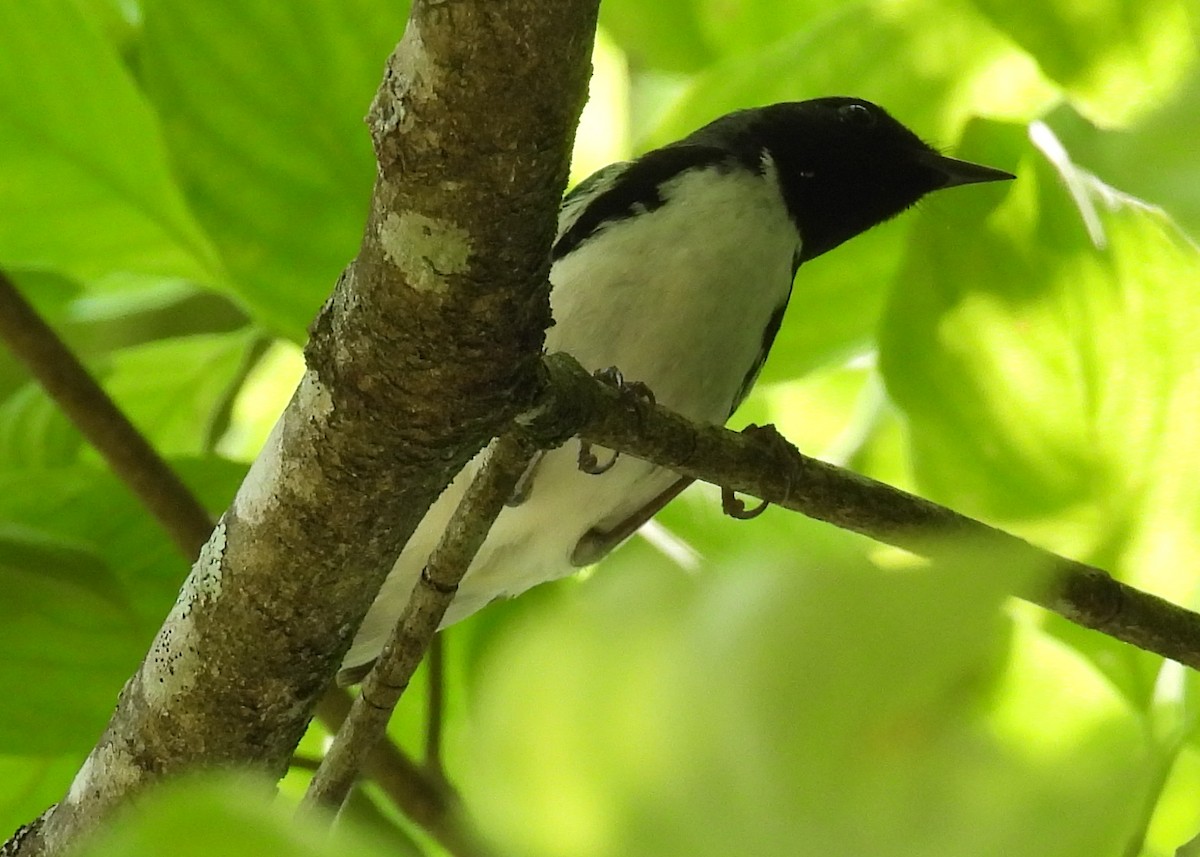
(733, 505)
(636, 390)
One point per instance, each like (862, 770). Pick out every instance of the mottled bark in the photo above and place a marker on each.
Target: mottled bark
(428, 345)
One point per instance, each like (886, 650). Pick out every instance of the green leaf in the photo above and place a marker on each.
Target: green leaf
(86, 187)
(836, 302)
(87, 506)
(229, 815)
(34, 432)
(1048, 364)
(29, 784)
(87, 578)
(928, 65)
(1116, 58)
(119, 20)
(69, 640)
(932, 63)
(778, 706)
(741, 26)
(664, 35)
(1154, 159)
(262, 105)
(172, 389)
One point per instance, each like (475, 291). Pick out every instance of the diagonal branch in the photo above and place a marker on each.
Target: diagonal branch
(131, 457)
(436, 588)
(761, 463)
(424, 799)
(427, 346)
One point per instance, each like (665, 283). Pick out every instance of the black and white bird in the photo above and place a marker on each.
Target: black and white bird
(676, 268)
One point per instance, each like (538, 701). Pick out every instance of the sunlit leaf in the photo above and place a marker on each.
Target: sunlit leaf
(739, 26)
(84, 183)
(932, 63)
(29, 784)
(234, 816)
(262, 104)
(172, 389)
(663, 35)
(782, 707)
(1154, 159)
(1049, 364)
(34, 432)
(1116, 58)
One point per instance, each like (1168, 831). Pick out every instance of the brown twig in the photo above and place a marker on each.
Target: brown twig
(83, 400)
(762, 464)
(429, 802)
(435, 710)
(438, 584)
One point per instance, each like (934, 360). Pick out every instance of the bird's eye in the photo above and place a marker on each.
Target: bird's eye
(858, 115)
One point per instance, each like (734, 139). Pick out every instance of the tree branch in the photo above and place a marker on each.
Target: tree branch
(426, 800)
(426, 348)
(764, 465)
(131, 457)
(388, 679)
(435, 709)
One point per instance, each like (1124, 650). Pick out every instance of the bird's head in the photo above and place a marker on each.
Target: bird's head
(844, 164)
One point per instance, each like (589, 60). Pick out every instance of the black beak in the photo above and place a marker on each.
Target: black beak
(958, 172)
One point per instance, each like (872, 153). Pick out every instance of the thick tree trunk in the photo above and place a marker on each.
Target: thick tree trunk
(427, 346)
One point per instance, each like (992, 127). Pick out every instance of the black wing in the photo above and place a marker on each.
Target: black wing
(622, 190)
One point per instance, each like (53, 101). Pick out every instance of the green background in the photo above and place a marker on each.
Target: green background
(180, 185)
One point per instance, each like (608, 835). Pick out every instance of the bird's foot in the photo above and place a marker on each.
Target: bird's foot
(634, 390)
(733, 505)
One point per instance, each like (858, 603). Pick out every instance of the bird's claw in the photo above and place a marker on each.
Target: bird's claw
(734, 506)
(590, 464)
(635, 390)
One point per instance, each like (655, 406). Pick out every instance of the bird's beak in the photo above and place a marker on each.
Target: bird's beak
(958, 172)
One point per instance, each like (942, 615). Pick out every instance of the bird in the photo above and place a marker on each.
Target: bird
(675, 269)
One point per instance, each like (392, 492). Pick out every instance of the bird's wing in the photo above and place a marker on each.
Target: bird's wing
(627, 189)
(597, 542)
(582, 194)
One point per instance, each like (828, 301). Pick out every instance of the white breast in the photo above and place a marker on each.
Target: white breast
(679, 297)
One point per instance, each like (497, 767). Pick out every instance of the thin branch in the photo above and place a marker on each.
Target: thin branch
(762, 464)
(435, 709)
(429, 802)
(436, 588)
(83, 400)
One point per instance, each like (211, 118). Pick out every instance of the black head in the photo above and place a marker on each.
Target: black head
(844, 164)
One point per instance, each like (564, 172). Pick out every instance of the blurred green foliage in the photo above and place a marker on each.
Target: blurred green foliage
(180, 184)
